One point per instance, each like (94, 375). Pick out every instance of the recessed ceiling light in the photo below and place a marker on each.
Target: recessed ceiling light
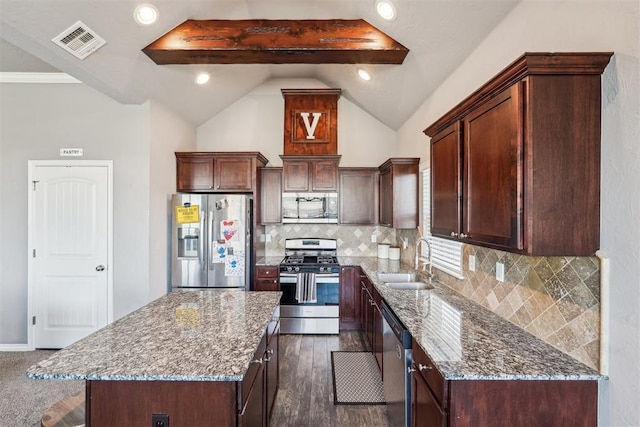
(202, 78)
(146, 14)
(364, 74)
(386, 9)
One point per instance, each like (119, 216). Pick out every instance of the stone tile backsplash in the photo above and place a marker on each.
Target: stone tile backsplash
(557, 299)
(351, 240)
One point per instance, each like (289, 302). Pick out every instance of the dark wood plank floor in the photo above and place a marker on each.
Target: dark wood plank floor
(305, 396)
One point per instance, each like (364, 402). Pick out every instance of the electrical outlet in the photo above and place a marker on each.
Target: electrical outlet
(499, 272)
(160, 420)
(374, 238)
(267, 237)
(472, 262)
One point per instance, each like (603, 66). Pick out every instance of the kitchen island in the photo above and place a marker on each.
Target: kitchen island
(202, 357)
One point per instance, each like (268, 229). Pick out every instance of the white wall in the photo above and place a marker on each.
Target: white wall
(256, 123)
(168, 135)
(548, 26)
(36, 120)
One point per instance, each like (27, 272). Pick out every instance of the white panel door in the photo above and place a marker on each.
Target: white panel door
(70, 252)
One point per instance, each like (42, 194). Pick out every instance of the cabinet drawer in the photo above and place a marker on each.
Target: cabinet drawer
(431, 375)
(267, 272)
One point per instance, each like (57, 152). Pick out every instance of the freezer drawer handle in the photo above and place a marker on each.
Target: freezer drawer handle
(100, 268)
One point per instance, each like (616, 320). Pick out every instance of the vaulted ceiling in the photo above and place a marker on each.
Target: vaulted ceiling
(439, 34)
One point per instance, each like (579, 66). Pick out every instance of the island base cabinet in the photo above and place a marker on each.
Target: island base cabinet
(133, 403)
(531, 403)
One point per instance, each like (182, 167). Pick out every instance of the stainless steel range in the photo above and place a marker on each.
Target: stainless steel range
(310, 282)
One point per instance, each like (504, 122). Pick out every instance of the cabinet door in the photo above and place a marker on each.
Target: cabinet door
(272, 376)
(271, 196)
(493, 174)
(295, 175)
(194, 173)
(357, 192)
(233, 173)
(446, 182)
(386, 198)
(378, 347)
(365, 311)
(425, 411)
(324, 175)
(349, 298)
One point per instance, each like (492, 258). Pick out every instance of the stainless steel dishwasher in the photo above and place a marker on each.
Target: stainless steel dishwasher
(396, 360)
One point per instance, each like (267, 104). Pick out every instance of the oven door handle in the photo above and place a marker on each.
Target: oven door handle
(320, 278)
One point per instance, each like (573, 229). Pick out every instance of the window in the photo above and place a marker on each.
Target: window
(447, 254)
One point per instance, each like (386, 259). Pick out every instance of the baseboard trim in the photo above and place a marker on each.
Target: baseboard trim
(15, 347)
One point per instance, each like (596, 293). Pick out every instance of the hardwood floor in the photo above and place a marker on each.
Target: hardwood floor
(305, 396)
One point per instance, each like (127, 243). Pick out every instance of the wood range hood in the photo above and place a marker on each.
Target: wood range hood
(261, 41)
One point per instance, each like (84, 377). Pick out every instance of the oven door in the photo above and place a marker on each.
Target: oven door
(327, 286)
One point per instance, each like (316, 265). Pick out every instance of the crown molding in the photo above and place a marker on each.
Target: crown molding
(37, 78)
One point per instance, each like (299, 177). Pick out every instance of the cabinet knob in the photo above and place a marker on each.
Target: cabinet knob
(454, 234)
(218, 186)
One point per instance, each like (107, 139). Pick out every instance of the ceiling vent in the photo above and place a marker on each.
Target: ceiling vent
(79, 40)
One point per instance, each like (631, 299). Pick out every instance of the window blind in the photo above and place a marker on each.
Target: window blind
(447, 254)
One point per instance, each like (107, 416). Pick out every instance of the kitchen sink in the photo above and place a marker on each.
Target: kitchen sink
(398, 277)
(409, 286)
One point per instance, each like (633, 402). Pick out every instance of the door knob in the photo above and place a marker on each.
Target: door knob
(100, 268)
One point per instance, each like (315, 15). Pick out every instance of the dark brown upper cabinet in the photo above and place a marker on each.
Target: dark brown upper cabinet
(205, 172)
(398, 193)
(358, 196)
(270, 194)
(516, 165)
(310, 173)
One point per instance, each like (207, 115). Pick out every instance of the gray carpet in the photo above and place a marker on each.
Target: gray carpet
(22, 400)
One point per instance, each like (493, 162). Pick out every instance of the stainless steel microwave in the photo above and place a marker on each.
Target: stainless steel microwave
(310, 208)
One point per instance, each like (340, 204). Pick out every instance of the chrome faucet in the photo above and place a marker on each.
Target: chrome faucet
(419, 259)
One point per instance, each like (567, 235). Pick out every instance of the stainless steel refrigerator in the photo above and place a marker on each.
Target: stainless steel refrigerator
(211, 237)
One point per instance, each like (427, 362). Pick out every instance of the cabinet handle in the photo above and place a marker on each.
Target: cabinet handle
(372, 302)
(463, 236)
(269, 353)
(211, 186)
(422, 367)
(411, 369)
(258, 361)
(454, 234)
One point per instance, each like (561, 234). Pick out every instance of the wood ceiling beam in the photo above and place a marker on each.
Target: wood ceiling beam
(260, 41)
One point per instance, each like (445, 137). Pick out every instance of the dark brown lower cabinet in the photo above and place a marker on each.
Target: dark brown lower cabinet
(349, 298)
(370, 316)
(247, 403)
(426, 411)
(498, 403)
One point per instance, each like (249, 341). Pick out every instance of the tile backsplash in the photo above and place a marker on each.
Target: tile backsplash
(557, 299)
(351, 240)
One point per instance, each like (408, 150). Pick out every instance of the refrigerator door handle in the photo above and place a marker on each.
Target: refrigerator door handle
(203, 234)
(210, 238)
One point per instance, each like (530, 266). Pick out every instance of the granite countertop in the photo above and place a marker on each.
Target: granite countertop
(208, 335)
(467, 341)
(270, 260)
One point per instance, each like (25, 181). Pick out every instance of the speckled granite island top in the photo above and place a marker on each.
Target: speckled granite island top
(208, 335)
(467, 341)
